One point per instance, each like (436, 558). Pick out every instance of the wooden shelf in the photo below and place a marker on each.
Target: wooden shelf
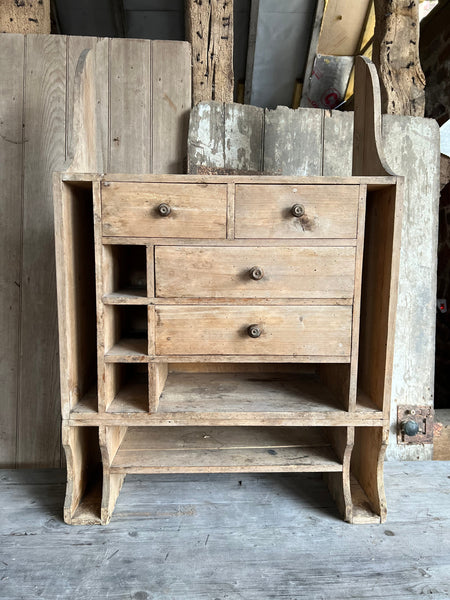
(128, 296)
(128, 350)
(214, 399)
(224, 450)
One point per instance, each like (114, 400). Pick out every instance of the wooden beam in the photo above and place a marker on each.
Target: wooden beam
(18, 16)
(396, 56)
(209, 28)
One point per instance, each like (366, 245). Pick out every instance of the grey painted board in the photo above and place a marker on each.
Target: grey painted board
(412, 150)
(317, 142)
(337, 143)
(293, 141)
(248, 537)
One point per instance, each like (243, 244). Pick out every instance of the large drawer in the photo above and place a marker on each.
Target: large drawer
(254, 272)
(224, 330)
(169, 210)
(296, 211)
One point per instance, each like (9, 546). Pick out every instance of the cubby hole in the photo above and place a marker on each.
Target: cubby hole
(126, 387)
(256, 388)
(125, 272)
(126, 332)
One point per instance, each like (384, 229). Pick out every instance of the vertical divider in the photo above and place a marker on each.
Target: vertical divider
(231, 197)
(157, 376)
(110, 439)
(99, 255)
(357, 298)
(150, 258)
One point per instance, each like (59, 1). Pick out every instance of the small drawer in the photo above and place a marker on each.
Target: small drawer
(172, 210)
(296, 211)
(253, 330)
(254, 272)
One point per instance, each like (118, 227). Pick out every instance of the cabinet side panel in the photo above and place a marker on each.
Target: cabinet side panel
(379, 295)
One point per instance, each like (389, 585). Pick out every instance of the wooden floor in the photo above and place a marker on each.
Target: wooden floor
(226, 537)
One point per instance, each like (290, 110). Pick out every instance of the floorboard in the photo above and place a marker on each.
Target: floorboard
(252, 537)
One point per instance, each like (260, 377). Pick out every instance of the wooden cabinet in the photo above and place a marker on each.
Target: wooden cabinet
(226, 324)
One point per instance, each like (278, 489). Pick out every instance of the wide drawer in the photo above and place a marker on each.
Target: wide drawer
(175, 210)
(296, 211)
(254, 272)
(283, 330)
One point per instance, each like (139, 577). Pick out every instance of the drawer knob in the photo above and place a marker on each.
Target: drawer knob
(298, 210)
(254, 331)
(256, 273)
(164, 210)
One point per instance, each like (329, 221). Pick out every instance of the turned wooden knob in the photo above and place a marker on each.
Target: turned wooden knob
(164, 210)
(298, 210)
(256, 273)
(254, 331)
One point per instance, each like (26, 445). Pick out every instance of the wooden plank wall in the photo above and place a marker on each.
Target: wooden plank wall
(148, 123)
(317, 142)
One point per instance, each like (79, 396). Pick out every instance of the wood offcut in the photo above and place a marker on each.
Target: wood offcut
(209, 28)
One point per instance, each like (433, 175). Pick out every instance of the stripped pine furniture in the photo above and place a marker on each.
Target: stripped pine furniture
(222, 323)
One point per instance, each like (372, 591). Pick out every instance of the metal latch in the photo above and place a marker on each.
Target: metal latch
(415, 424)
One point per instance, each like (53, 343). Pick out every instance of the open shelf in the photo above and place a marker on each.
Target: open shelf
(127, 385)
(127, 268)
(126, 333)
(238, 398)
(224, 450)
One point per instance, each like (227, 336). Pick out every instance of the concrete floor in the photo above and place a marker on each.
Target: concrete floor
(223, 537)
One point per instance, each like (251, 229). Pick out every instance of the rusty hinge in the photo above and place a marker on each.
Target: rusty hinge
(415, 424)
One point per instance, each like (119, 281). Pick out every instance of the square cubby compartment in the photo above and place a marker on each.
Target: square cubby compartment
(127, 269)
(126, 333)
(126, 387)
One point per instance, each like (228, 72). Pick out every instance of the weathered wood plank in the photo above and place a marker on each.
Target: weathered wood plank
(89, 149)
(396, 55)
(11, 155)
(209, 28)
(293, 141)
(337, 143)
(171, 102)
(131, 106)
(44, 120)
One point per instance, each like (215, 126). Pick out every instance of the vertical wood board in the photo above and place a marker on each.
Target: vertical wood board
(131, 106)
(38, 442)
(11, 154)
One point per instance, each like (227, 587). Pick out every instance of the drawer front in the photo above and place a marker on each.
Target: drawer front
(254, 272)
(175, 210)
(296, 211)
(224, 330)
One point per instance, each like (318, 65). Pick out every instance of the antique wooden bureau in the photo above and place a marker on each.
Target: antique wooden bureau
(225, 324)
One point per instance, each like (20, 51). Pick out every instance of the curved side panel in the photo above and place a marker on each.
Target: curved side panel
(368, 152)
(342, 439)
